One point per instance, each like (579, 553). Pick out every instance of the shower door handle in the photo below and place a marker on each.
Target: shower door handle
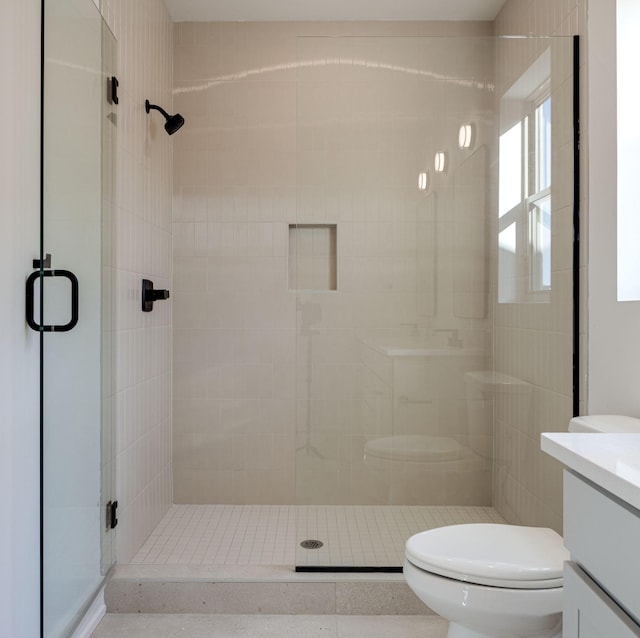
(67, 274)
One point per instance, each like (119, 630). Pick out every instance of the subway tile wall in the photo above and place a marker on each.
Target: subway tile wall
(268, 145)
(142, 249)
(534, 342)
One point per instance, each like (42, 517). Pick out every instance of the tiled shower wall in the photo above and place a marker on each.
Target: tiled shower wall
(366, 128)
(534, 341)
(142, 249)
(234, 330)
(238, 165)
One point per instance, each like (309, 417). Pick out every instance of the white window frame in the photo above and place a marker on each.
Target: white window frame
(523, 213)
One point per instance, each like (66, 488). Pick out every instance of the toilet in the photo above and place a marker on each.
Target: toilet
(493, 580)
(490, 580)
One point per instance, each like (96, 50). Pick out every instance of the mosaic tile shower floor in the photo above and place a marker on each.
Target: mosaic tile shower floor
(271, 534)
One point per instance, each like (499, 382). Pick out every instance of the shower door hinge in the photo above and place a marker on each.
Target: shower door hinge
(113, 90)
(112, 508)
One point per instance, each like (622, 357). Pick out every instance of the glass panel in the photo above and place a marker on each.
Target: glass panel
(77, 373)
(108, 446)
(409, 391)
(511, 157)
(540, 244)
(543, 146)
(382, 360)
(526, 185)
(533, 341)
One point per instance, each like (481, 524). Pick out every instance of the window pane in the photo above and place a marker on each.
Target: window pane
(543, 145)
(540, 244)
(507, 265)
(510, 189)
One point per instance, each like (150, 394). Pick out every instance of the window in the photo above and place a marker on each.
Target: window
(524, 198)
(539, 203)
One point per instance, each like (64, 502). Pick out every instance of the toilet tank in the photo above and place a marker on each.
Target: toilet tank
(605, 423)
(482, 386)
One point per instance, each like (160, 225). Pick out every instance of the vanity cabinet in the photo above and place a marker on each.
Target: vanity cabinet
(589, 612)
(602, 580)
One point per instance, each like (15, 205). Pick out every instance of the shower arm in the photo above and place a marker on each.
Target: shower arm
(148, 107)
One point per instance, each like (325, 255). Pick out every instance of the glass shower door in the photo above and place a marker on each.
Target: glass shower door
(431, 262)
(72, 311)
(382, 348)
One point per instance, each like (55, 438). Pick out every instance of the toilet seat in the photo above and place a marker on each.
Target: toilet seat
(489, 554)
(414, 447)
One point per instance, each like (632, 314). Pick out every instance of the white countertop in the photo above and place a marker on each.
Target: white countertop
(611, 461)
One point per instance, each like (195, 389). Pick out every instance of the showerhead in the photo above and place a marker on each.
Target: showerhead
(173, 122)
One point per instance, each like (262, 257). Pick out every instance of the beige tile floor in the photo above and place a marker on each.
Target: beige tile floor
(263, 626)
(270, 534)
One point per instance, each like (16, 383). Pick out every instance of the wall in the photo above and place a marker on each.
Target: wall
(268, 145)
(142, 249)
(614, 349)
(19, 240)
(533, 342)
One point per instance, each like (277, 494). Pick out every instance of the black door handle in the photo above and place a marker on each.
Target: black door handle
(67, 274)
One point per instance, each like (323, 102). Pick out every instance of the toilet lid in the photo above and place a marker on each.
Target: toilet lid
(414, 447)
(491, 554)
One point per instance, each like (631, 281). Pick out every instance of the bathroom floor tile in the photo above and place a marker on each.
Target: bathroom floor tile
(170, 626)
(260, 626)
(396, 626)
(271, 534)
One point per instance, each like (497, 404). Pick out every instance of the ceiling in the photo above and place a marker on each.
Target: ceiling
(329, 10)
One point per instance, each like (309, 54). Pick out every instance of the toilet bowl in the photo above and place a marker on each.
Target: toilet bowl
(497, 581)
(490, 580)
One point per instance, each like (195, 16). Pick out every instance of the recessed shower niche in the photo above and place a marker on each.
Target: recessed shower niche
(313, 257)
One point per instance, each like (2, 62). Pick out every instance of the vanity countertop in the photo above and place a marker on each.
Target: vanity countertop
(611, 461)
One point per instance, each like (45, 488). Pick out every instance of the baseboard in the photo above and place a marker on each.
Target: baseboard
(92, 618)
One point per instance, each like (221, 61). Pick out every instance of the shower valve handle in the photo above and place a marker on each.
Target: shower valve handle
(149, 295)
(156, 295)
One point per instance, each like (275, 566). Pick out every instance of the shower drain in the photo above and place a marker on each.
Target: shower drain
(311, 544)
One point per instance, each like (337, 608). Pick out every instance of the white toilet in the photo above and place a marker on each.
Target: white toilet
(489, 580)
(497, 581)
